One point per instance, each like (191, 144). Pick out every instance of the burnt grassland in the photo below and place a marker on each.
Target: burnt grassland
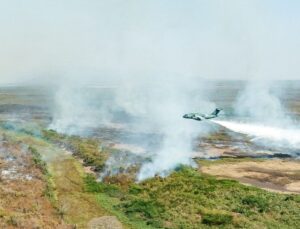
(87, 149)
(26, 189)
(185, 199)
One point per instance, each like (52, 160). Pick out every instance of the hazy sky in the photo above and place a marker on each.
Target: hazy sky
(129, 39)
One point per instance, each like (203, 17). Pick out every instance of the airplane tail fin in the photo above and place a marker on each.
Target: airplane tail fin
(216, 112)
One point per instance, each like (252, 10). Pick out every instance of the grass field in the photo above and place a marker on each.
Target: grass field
(188, 198)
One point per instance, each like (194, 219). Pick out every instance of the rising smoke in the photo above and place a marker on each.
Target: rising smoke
(76, 110)
(156, 53)
(260, 100)
(153, 107)
(161, 107)
(262, 115)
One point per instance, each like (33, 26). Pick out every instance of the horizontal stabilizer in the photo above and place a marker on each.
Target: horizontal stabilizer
(216, 111)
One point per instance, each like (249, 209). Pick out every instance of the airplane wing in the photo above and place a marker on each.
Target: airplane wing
(198, 117)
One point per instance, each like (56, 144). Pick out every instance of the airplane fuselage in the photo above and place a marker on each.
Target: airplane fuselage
(200, 117)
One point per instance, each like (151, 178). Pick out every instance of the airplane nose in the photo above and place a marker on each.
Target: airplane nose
(184, 116)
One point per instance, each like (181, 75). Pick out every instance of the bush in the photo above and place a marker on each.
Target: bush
(217, 218)
(37, 160)
(86, 149)
(135, 189)
(52, 135)
(113, 190)
(258, 202)
(146, 208)
(92, 185)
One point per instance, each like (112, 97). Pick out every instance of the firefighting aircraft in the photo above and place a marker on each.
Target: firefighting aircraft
(201, 117)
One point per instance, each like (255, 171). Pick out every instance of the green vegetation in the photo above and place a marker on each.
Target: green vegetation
(185, 199)
(37, 159)
(111, 190)
(110, 204)
(205, 162)
(85, 148)
(110, 197)
(216, 218)
(75, 206)
(189, 199)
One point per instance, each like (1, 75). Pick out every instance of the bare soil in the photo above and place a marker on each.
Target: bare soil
(105, 222)
(273, 174)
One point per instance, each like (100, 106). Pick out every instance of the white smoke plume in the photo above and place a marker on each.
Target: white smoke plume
(161, 107)
(261, 114)
(135, 43)
(261, 102)
(155, 108)
(77, 109)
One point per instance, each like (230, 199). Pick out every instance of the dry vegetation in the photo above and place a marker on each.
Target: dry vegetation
(71, 204)
(24, 190)
(187, 199)
(65, 196)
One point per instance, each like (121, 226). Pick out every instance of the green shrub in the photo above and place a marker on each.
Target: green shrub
(85, 148)
(295, 198)
(91, 185)
(37, 160)
(135, 189)
(146, 208)
(52, 135)
(258, 202)
(113, 190)
(217, 218)
(49, 190)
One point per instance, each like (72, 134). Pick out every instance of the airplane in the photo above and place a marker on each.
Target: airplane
(201, 117)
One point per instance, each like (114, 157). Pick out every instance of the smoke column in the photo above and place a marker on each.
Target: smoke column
(262, 115)
(155, 107)
(76, 109)
(161, 106)
(260, 101)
